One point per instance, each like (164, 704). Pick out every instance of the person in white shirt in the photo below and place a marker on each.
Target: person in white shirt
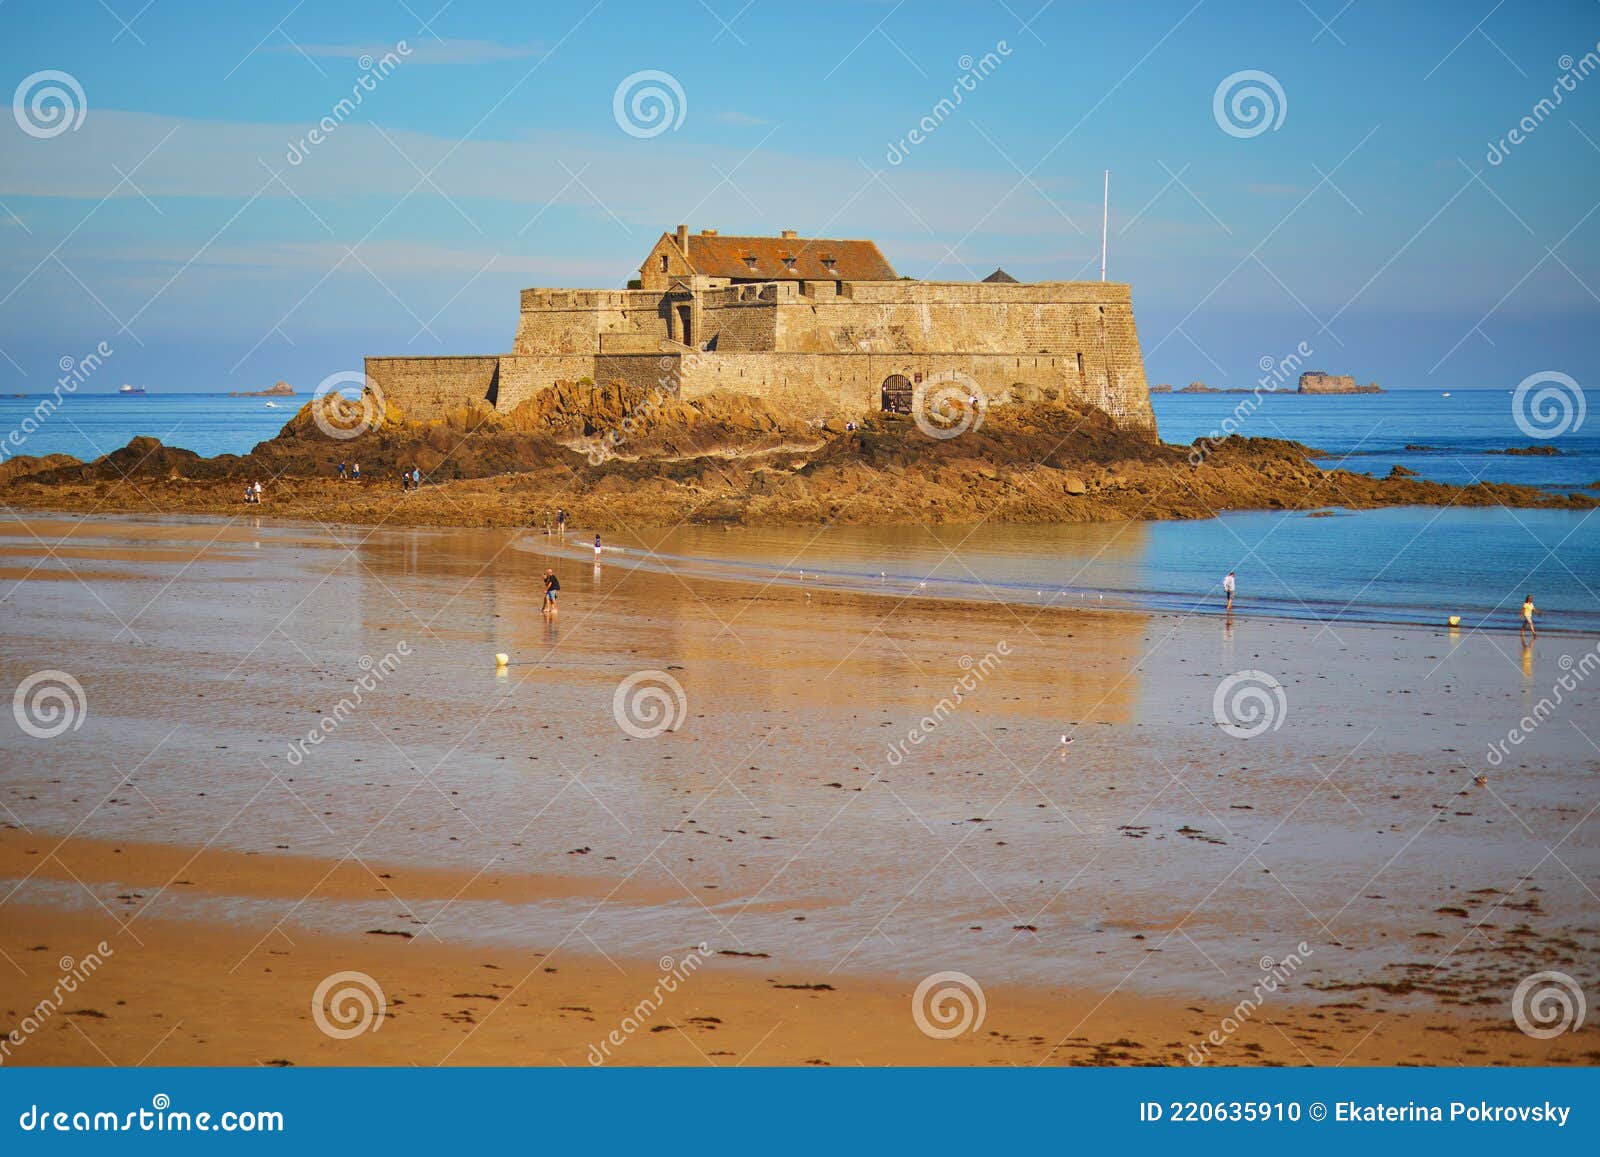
(1227, 589)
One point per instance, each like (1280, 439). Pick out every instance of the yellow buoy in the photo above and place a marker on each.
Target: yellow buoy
(502, 659)
(1455, 620)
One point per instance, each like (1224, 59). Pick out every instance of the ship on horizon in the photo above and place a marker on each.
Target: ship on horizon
(127, 389)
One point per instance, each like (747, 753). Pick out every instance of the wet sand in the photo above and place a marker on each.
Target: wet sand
(454, 817)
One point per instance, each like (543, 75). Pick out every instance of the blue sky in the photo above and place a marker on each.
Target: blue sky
(173, 225)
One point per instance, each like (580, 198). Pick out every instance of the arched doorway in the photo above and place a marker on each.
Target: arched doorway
(897, 394)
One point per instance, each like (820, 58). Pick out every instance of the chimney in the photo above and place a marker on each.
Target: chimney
(789, 233)
(683, 238)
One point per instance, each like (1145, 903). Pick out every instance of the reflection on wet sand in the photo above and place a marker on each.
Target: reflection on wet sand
(866, 784)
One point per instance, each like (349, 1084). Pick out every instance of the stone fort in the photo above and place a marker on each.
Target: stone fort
(820, 328)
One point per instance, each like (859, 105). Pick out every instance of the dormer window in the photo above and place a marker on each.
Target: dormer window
(828, 263)
(750, 261)
(788, 262)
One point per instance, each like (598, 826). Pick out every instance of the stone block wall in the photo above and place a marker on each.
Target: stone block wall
(818, 350)
(426, 388)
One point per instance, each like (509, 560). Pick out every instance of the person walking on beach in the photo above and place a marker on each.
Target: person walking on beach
(1528, 611)
(561, 521)
(552, 586)
(1227, 589)
(341, 470)
(597, 547)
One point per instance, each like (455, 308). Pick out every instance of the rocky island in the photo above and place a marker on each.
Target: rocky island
(1317, 382)
(281, 390)
(616, 456)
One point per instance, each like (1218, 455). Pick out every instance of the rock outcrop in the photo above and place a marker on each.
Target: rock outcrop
(1317, 382)
(619, 457)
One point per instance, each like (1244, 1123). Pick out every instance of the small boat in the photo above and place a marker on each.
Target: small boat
(1446, 394)
(272, 405)
(127, 389)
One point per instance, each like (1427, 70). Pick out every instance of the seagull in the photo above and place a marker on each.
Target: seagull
(1480, 780)
(1066, 739)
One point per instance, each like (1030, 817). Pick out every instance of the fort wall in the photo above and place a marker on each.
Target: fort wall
(816, 348)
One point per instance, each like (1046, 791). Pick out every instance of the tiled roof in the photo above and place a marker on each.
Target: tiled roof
(1000, 277)
(787, 259)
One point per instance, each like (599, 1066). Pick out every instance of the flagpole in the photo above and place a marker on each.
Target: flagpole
(1105, 218)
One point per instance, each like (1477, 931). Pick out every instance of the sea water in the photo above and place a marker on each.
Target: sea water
(1409, 565)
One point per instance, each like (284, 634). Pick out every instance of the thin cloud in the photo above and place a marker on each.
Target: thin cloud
(739, 118)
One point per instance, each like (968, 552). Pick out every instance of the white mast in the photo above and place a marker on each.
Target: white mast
(1105, 218)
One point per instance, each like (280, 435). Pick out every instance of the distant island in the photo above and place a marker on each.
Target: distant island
(1317, 382)
(1311, 382)
(281, 390)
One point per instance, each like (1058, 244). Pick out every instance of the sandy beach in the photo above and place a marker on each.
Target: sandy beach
(293, 757)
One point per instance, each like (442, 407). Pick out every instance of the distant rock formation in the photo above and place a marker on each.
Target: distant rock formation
(281, 390)
(1317, 382)
(1163, 388)
(1199, 388)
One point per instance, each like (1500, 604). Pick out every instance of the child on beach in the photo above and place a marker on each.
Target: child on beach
(552, 586)
(597, 547)
(1528, 611)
